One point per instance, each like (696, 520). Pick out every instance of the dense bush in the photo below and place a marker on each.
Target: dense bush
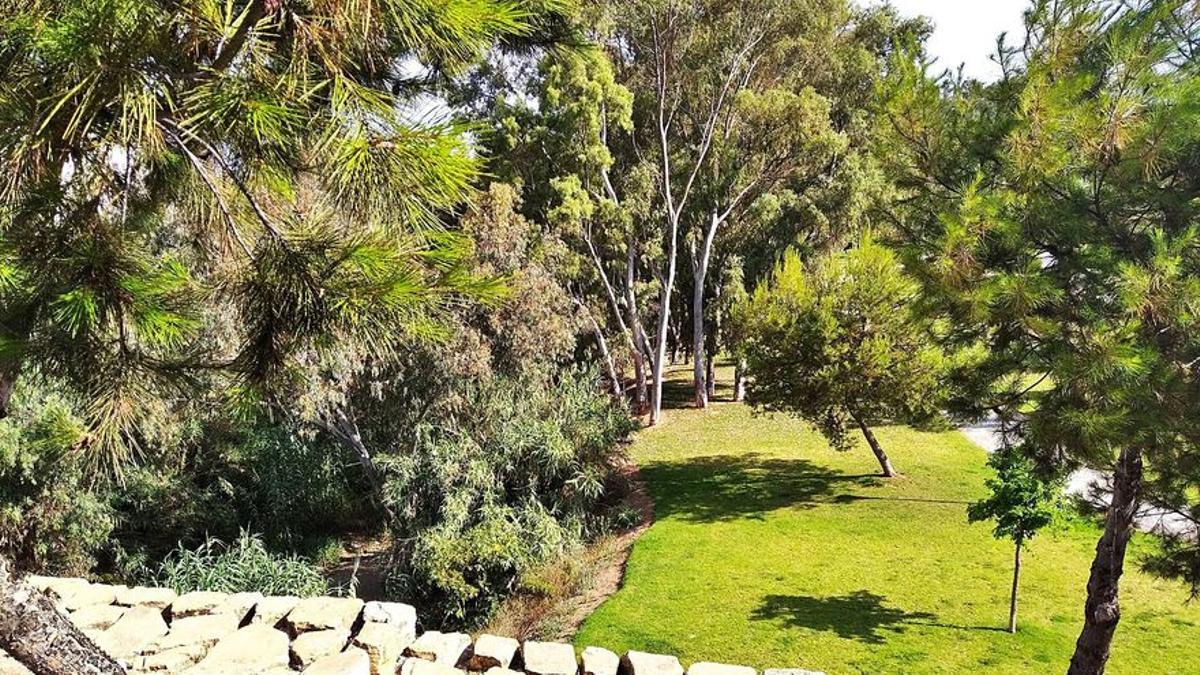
(244, 564)
(519, 471)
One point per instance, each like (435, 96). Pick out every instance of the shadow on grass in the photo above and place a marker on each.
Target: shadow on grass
(860, 616)
(730, 487)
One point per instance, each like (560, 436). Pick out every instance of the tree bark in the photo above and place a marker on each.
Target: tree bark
(1102, 611)
(1012, 603)
(42, 639)
(345, 429)
(609, 365)
(884, 463)
(710, 377)
(700, 260)
(739, 380)
(8, 380)
(641, 393)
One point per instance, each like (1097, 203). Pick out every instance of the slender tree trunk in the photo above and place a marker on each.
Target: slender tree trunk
(710, 376)
(1102, 611)
(880, 455)
(739, 380)
(8, 380)
(1012, 602)
(345, 429)
(42, 639)
(610, 366)
(664, 319)
(700, 261)
(641, 394)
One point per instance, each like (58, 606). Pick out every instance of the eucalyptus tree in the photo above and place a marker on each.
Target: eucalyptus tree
(1053, 215)
(194, 187)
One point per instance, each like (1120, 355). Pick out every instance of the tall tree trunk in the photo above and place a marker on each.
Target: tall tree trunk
(1102, 611)
(345, 429)
(8, 380)
(41, 638)
(710, 375)
(884, 463)
(700, 261)
(664, 319)
(610, 366)
(640, 345)
(1012, 602)
(739, 380)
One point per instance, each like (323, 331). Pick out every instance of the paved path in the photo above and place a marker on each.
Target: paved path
(1091, 485)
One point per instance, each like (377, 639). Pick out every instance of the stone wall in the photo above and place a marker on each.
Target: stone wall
(154, 630)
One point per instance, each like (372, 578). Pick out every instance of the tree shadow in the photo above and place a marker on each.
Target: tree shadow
(861, 616)
(729, 487)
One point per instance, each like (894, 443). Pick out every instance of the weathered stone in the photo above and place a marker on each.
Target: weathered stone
(353, 661)
(271, 609)
(11, 666)
(709, 668)
(502, 671)
(252, 650)
(419, 666)
(137, 627)
(444, 648)
(140, 595)
(549, 658)
(384, 643)
(197, 602)
(642, 663)
(390, 612)
(310, 646)
(97, 616)
(791, 671)
(239, 605)
(324, 613)
(600, 661)
(174, 660)
(57, 586)
(203, 629)
(492, 651)
(78, 596)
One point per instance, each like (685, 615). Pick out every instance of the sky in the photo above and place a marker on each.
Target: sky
(965, 31)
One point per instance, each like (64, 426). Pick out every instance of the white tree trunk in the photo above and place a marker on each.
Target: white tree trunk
(700, 260)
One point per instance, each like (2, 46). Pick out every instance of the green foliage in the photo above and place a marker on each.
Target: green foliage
(1019, 500)
(838, 340)
(243, 564)
(516, 473)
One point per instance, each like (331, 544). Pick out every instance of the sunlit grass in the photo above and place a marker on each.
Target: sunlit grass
(772, 550)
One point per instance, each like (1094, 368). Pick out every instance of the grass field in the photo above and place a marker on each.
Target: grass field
(771, 550)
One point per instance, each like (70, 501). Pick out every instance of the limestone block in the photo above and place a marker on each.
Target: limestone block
(252, 650)
(502, 671)
(549, 658)
(140, 595)
(444, 648)
(600, 661)
(174, 660)
(137, 627)
(313, 645)
(419, 666)
(384, 643)
(353, 661)
(271, 609)
(492, 651)
(324, 613)
(203, 629)
(78, 596)
(197, 602)
(390, 612)
(239, 605)
(57, 586)
(97, 616)
(642, 663)
(709, 668)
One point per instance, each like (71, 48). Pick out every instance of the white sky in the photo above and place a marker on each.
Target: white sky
(965, 31)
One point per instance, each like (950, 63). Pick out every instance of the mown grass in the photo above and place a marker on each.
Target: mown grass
(771, 550)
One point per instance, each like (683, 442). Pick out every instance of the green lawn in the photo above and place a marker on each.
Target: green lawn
(771, 550)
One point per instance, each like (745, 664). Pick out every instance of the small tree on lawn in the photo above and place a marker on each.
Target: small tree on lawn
(837, 343)
(1021, 503)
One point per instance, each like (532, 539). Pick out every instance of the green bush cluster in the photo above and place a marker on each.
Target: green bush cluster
(243, 564)
(518, 472)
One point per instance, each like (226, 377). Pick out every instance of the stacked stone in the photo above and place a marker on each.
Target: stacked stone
(153, 630)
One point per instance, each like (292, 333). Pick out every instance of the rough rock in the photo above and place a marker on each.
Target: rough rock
(271, 609)
(419, 666)
(97, 616)
(174, 660)
(196, 602)
(137, 627)
(252, 650)
(11, 666)
(324, 613)
(205, 630)
(78, 596)
(353, 661)
(57, 586)
(642, 663)
(390, 612)
(709, 668)
(444, 648)
(549, 658)
(492, 651)
(313, 645)
(153, 597)
(600, 661)
(239, 605)
(384, 643)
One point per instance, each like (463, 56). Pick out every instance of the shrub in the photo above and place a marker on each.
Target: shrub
(244, 564)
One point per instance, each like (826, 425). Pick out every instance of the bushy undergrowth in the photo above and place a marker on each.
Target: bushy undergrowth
(243, 564)
(517, 473)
